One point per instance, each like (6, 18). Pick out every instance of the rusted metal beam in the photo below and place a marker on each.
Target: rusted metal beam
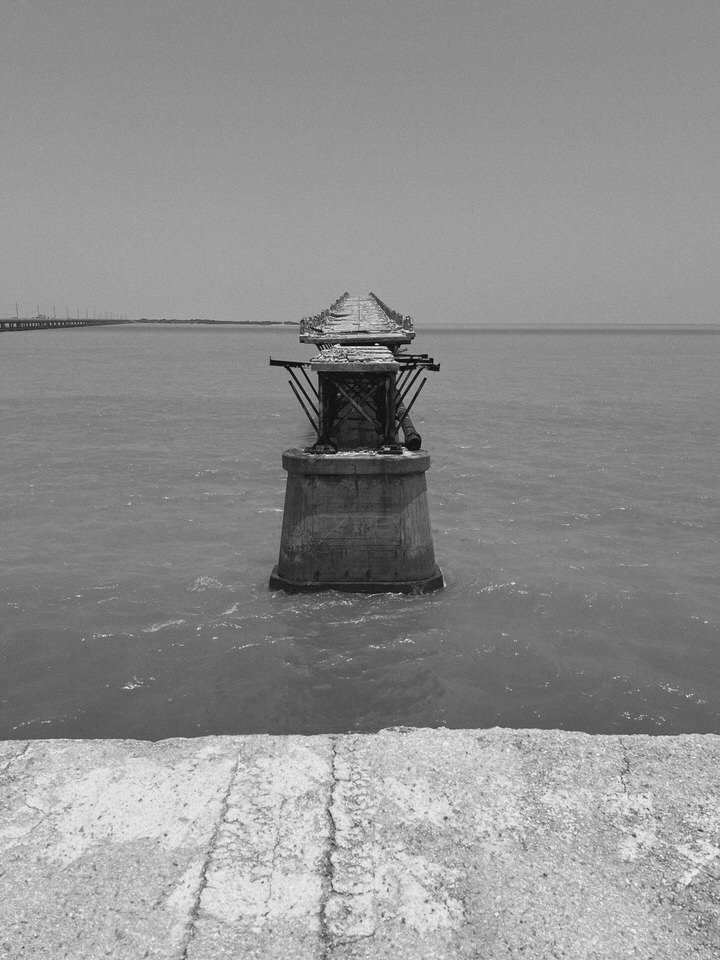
(305, 411)
(413, 440)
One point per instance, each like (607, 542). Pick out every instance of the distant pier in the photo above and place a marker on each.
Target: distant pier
(51, 323)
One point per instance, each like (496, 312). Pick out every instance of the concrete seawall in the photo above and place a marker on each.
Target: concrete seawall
(405, 844)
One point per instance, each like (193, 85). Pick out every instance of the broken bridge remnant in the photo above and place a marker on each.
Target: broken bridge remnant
(356, 514)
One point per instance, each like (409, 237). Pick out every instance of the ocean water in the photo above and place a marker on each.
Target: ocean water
(575, 503)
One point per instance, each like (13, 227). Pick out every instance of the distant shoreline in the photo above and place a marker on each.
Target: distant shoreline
(50, 321)
(528, 328)
(495, 328)
(624, 328)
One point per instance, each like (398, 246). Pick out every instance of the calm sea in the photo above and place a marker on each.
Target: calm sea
(575, 500)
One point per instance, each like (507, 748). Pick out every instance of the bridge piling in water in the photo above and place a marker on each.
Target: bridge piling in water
(356, 514)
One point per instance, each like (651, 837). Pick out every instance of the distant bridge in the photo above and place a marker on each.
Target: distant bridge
(49, 323)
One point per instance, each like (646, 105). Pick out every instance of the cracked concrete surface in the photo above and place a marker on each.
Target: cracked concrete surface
(406, 843)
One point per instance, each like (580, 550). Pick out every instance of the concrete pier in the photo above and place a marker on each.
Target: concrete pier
(493, 844)
(356, 521)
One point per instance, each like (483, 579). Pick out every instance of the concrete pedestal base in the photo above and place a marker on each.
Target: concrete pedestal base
(435, 582)
(357, 522)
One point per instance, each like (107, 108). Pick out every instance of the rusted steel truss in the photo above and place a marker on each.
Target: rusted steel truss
(383, 402)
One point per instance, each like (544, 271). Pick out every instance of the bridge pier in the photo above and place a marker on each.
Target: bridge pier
(357, 522)
(356, 513)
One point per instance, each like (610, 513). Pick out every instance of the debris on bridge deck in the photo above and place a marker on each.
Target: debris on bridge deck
(357, 320)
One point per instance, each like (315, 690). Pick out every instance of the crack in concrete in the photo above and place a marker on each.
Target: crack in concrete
(212, 846)
(625, 768)
(44, 815)
(351, 941)
(328, 887)
(278, 819)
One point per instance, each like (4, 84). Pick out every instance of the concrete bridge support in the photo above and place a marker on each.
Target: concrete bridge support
(356, 521)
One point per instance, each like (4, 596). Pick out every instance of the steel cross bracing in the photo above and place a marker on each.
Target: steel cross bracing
(359, 393)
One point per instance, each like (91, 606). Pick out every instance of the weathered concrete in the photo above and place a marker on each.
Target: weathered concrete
(408, 843)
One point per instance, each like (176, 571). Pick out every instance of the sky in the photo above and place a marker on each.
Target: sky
(469, 161)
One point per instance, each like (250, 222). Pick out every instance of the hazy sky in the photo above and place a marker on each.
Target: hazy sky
(495, 161)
